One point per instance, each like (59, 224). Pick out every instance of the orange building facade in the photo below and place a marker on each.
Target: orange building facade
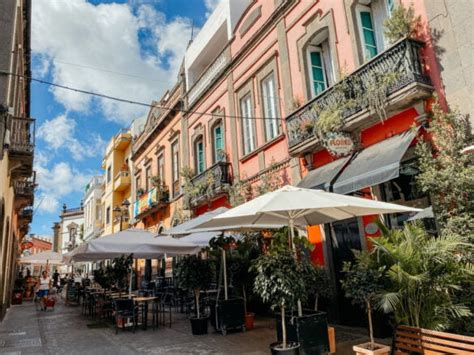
(254, 86)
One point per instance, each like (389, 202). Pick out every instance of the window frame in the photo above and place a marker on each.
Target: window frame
(359, 10)
(215, 154)
(107, 216)
(316, 49)
(160, 167)
(247, 121)
(175, 167)
(147, 178)
(270, 77)
(199, 166)
(109, 174)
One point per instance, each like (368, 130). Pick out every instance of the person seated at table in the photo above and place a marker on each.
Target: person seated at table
(44, 285)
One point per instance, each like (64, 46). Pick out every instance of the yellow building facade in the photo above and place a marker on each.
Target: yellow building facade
(117, 183)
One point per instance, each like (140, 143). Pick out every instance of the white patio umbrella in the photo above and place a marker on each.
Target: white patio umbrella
(186, 227)
(44, 258)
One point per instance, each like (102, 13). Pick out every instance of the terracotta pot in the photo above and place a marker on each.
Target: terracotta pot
(371, 349)
(249, 318)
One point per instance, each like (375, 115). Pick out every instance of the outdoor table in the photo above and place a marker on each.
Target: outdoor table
(144, 301)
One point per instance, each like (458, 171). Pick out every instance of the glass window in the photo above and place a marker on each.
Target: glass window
(175, 167)
(269, 99)
(199, 155)
(247, 124)
(147, 177)
(218, 140)
(161, 168)
(109, 173)
(107, 215)
(390, 6)
(368, 34)
(317, 71)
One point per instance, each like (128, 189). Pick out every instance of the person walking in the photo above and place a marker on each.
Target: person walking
(43, 289)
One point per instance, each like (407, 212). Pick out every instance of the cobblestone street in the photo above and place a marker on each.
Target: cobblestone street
(65, 331)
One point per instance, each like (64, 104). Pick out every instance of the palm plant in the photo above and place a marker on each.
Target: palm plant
(423, 273)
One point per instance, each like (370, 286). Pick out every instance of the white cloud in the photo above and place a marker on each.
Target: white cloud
(106, 36)
(59, 133)
(56, 183)
(211, 5)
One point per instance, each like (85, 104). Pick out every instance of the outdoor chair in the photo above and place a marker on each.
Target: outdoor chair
(165, 308)
(125, 312)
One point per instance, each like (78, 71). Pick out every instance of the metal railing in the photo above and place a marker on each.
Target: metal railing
(25, 187)
(211, 180)
(402, 58)
(22, 135)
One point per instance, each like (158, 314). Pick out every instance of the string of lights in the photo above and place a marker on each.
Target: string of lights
(132, 102)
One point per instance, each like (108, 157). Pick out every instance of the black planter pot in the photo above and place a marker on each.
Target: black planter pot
(291, 349)
(228, 314)
(199, 325)
(309, 330)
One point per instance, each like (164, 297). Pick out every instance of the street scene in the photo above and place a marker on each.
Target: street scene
(236, 177)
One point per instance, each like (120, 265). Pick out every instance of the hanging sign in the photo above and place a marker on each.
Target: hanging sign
(339, 144)
(26, 245)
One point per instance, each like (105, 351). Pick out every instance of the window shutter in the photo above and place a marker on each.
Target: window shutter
(368, 33)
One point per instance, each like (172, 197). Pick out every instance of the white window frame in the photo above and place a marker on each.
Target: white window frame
(270, 106)
(316, 48)
(248, 133)
(359, 9)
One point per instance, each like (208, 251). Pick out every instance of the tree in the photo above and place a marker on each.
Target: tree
(316, 280)
(361, 283)
(446, 173)
(423, 273)
(402, 23)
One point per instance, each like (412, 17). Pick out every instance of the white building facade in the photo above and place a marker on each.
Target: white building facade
(93, 221)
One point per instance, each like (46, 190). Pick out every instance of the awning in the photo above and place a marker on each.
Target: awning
(374, 165)
(321, 177)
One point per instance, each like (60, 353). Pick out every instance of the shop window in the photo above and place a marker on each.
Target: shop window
(199, 155)
(247, 124)
(270, 108)
(218, 142)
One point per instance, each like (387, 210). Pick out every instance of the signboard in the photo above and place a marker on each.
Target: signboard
(26, 245)
(339, 144)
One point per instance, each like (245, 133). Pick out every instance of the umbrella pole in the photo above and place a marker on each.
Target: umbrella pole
(130, 284)
(292, 235)
(225, 273)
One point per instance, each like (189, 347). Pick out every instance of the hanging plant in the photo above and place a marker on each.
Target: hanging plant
(402, 23)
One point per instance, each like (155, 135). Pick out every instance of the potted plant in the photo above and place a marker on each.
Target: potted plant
(278, 282)
(194, 273)
(20, 284)
(361, 283)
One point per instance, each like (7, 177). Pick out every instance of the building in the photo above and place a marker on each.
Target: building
(117, 183)
(93, 223)
(38, 244)
(17, 179)
(305, 93)
(71, 232)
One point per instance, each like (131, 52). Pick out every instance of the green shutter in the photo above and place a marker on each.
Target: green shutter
(370, 45)
(218, 142)
(317, 72)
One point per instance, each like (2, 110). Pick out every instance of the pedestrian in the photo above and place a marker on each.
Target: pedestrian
(56, 279)
(43, 289)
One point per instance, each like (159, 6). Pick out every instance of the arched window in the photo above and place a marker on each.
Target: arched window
(218, 142)
(200, 165)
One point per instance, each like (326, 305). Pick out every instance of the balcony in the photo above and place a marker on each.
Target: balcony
(122, 181)
(209, 184)
(150, 202)
(411, 85)
(25, 216)
(21, 146)
(208, 76)
(24, 190)
(122, 139)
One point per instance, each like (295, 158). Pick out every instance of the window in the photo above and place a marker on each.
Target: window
(137, 182)
(318, 76)
(175, 167)
(247, 124)
(147, 177)
(199, 155)
(218, 142)
(269, 99)
(390, 6)
(107, 215)
(109, 173)
(161, 168)
(367, 33)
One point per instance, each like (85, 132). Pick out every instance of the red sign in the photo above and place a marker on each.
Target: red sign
(26, 245)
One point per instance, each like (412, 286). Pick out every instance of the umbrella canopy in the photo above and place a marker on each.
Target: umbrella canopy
(185, 227)
(140, 243)
(203, 238)
(47, 257)
(299, 206)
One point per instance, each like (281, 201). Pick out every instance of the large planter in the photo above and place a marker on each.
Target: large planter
(229, 314)
(291, 349)
(371, 349)
(199, 325)
(309, 330)
(249, 319)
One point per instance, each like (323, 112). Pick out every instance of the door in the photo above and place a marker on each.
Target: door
(345, 237)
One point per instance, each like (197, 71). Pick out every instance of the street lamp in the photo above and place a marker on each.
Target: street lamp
(122, 211)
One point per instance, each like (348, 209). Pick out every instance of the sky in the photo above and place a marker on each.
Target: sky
(128, 49)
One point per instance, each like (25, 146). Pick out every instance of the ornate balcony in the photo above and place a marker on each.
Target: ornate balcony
(209, 184)
(24, 191)
(26, 215)
(411, 84)
(20, 145)
(122, 181)
(150, 202)
(210, 73)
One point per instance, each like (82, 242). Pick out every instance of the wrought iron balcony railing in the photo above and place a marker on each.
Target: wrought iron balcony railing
(210, 182)
(25, 187)
(22, 135)
(157, 197)
(402, 58)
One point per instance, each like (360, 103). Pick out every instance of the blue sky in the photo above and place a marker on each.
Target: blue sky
(130, 49)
